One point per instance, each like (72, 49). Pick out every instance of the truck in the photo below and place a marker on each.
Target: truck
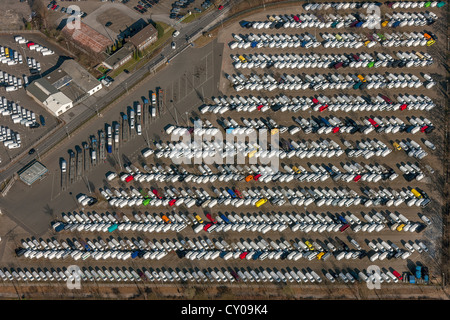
(116, 133)
(418, 272)
(139, 109)
(109, 145)
(58, 226)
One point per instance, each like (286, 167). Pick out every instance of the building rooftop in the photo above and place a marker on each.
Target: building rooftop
(80, 75)
(89, 38)
(58, 78)
(117, 56)
(140, 37)
(32, 171)
(48, 95)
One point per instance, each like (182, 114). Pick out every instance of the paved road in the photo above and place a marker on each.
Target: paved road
(185, 30)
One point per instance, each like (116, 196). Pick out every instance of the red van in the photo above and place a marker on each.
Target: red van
(373, 122)
(398, 275)
(344, 227)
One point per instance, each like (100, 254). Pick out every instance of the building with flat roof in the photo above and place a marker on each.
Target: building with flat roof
(49, 97)
(120, 57)
(32, 172)
(144, 38)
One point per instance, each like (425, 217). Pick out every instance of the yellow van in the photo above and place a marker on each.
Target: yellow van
(296, 170)
(338, 37)
(260, 202)
(309, 245)
(384, 23)
(320, 255)
(430, 42)
(367, 43)
(360, 77)
(274, 131)
(400, 227)
(242, 59)
(198, 218)
(252, 153)
(397, 146)
(416, 193)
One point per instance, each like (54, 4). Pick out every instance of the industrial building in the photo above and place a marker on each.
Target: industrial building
(49, 97)
(32, 172)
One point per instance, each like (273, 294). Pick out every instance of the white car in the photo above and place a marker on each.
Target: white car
(176, 33)
(63, 166)
(106, 82)
(426, 219)
(173, 45)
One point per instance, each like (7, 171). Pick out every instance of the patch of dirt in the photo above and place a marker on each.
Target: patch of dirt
(13, 14)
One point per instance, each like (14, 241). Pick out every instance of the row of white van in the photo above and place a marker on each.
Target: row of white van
(95, 255)
(369, 173)
(294, 198)
(192, 150)
(346, 40)
(336, 5)
(10, 139)
(340, 102)
(83, 274)
(292, 61)
(244, 223)
(34, 46)
(365, 148)
(206, 275)
(326, 81)
(413, 149)
(390, 124)
(309, 20)
(98, 244)
(124, 274)
(247, 41)
(10, 80)
(18, 113)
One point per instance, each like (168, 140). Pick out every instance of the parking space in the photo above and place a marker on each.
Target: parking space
(24, 72)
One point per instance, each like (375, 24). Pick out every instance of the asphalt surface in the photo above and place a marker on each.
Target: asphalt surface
(185, 30)
(185, 93)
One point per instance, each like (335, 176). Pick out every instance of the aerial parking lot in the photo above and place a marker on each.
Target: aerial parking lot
(306, 145)
(25, 65)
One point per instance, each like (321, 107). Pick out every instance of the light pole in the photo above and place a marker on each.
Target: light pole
(67, 131)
